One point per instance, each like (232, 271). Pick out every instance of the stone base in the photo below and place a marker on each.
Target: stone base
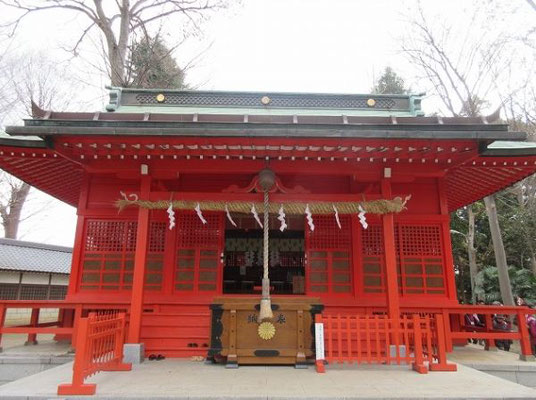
(525, 357)
(401, 350)
(133, 353)
(31, 343)
(231, 365)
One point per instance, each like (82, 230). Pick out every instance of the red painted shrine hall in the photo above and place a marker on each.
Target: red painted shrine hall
(167, 190)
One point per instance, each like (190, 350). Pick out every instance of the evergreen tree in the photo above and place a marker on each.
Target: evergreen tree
(389, 83)
(153, 66)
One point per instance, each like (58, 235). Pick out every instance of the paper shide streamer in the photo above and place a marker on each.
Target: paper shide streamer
(309, 217)
(229, 216)
(171, 216)
(281, 219)
(362, 218)
(255, 215)
(337, 216)
(200, 214)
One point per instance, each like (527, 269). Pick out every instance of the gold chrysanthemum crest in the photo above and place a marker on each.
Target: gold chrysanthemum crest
(266, 330)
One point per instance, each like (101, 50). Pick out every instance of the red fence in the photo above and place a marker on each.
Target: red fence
(377, 339)
(462, 332)
(69, 314)
(99, 347)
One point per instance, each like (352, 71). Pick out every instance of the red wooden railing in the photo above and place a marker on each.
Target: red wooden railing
(378, 339)
(99, 347)
(455, 331)
(462, 332)
(66, 325)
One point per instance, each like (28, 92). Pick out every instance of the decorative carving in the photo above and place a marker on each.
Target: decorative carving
(255, 185)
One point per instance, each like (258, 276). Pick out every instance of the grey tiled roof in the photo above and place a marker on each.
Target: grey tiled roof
(17, 255)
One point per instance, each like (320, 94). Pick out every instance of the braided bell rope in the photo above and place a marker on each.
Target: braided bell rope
(265, 311)
(266, 233)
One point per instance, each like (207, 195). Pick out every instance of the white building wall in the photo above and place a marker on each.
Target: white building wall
(35, 278)
(60, 279)
(9, 277)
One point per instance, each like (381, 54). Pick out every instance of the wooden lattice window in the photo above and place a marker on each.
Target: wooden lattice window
(373, 259)
(9, 291)
(198, 252)
(57, 292)
(420, 255)
(330, 256)
(108, 257)
(109, 251)
(155, 256)
(33, 292)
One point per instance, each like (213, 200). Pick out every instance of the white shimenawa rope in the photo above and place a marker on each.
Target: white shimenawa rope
(266, 305)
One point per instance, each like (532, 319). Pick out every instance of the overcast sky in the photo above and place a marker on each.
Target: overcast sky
(275, 45)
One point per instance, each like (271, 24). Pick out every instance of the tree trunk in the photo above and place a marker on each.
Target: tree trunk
(498, 248)
(530, 248)
(471, 251)
(117, 49)
(11, 218)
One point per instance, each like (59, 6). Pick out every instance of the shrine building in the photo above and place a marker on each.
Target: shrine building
(168, 187)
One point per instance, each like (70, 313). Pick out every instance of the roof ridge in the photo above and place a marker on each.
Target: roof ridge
(35, 245)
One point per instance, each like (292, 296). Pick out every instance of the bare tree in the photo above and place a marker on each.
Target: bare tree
(118, 21)
(462, 73)
(471, 251)
(12, 198)
(25, 77)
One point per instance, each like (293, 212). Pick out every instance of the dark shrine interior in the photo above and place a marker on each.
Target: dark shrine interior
(243, 259)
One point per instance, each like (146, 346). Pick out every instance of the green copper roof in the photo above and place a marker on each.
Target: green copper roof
(503, 148)
(125, 100)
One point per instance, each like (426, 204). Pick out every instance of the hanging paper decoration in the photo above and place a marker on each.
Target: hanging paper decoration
(362, 218)
(248, 258)
(309, 218)
(281, 218)
(337, 216)
(274, 257)
(200, 214)
(255, 215)
(171, 215)
(133, 196)
(229, 216)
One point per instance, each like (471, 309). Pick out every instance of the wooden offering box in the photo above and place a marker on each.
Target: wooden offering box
(238, 338)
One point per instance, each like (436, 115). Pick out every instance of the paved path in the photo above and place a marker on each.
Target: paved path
(14, 344)
(182, 379)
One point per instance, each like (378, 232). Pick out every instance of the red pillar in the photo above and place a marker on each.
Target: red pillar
(447, 243)
(76, 260)
(142, 242)
(393, 304)
(3, 310)
(34, 321)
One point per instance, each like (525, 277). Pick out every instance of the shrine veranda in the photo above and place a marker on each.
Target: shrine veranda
(375, 178)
